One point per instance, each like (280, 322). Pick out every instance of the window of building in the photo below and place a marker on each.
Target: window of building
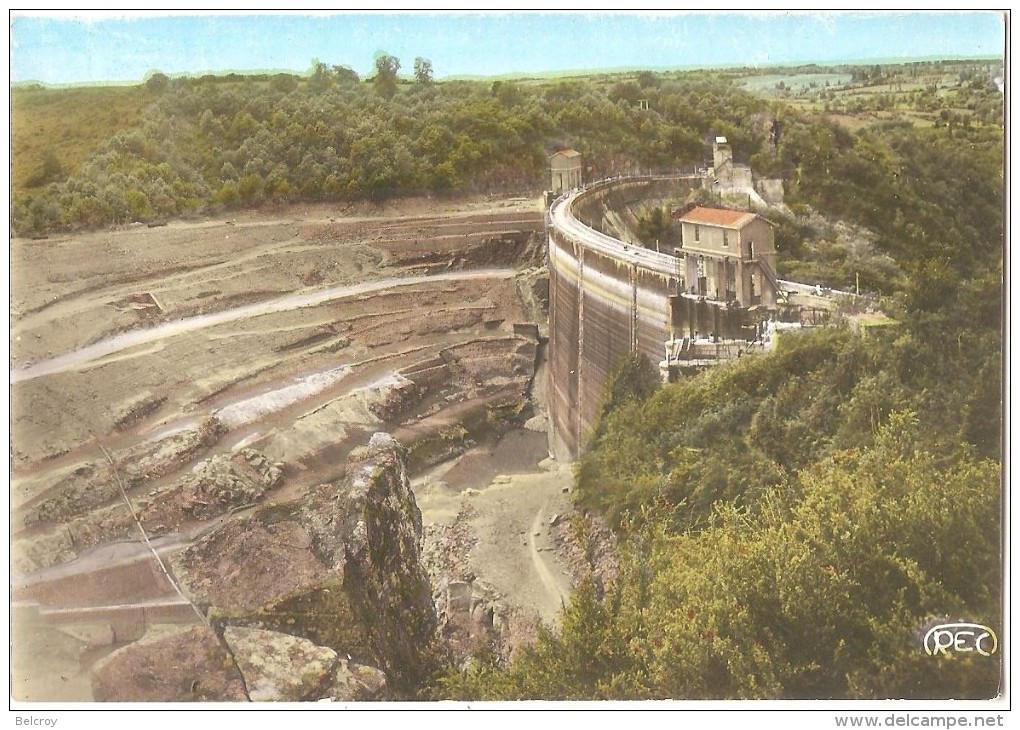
(697, 233)
(725, 238)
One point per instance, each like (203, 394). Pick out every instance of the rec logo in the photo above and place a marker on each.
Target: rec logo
(960, 637)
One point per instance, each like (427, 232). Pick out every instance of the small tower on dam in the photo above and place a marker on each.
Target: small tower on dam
(721, 153)
(565, 171)
(727, 177)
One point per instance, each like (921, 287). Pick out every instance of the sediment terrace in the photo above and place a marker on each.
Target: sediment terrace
(202, 367)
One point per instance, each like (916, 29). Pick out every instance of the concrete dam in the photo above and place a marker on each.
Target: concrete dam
(610, 296)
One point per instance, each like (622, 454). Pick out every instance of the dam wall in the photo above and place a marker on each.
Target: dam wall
(607, 297)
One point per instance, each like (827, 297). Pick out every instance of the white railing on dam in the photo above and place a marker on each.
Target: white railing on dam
(561, 217)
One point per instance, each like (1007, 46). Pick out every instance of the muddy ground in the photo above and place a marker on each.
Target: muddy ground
(182, 373)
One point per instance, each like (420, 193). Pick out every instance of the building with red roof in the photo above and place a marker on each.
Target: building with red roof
(729, 255)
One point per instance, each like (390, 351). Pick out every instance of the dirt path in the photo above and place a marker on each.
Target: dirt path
(118, 343)
(557, 592)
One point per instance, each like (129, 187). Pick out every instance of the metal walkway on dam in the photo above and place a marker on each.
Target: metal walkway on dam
(609, 298)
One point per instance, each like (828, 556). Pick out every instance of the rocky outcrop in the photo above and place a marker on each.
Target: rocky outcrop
(187, 666)
(87, 505)
(282, 668)
(533, 289)
(473, 614)
(477, 389)
(341, 568)
(357, 683)
(504, 248)
(137, 408)
(215, 486)
(196, 665)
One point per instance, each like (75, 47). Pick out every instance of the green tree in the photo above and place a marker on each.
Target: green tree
(50, 171)
(385, 80)
(138, 204)
(320, 78)
(655, 226)
(648, 80)
(43, 212)
(157, 81)
(345, 76)
(284, 83)
(423, 71)
(633, 379)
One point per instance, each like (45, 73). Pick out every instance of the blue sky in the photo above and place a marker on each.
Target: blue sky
(76, 48)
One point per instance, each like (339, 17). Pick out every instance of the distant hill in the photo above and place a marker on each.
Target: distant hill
(55, 130)
(87, 157)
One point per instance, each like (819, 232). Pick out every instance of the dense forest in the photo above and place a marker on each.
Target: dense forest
(181, 146)
(787, 523)
(245, 141)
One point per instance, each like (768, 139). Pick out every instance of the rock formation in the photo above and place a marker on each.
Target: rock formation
(321, 598)
(195, 665)
(187, 666)
(283, 668)
(215, 486)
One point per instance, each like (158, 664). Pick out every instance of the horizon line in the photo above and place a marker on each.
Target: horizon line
(523, 75)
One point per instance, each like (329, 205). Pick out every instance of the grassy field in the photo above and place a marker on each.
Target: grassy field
(794, 82)
(921, 94)
(55, 130)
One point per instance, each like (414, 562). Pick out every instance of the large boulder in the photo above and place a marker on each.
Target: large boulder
(279, 667)
(340, 567)
(283, 668)
(215, 486)
(186, 666)
(195, 665)
(356, 683)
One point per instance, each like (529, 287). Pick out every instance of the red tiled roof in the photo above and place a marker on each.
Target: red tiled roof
(566, 153)
(718, 217)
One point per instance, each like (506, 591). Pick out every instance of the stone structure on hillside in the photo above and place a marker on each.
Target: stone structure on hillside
(731, 179)
(728, 255)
